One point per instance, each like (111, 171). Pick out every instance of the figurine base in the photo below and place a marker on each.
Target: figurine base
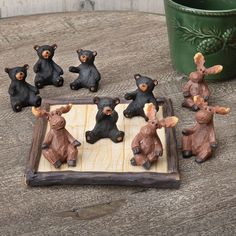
(104, 162)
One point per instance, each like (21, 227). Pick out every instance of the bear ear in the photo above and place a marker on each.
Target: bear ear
(155, 82)
(116, 101)
(79, 50)
(26, 66)
(95, 53)
(54, 46)
(137, 76)
(7, 70)
(96, 100)
(36, 47)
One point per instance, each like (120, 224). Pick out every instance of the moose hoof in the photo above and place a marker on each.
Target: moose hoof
(199, 160)
(133, 162)
(186, 154)
(195, 108)
(57, 164)
(147, 165)
(71, 163)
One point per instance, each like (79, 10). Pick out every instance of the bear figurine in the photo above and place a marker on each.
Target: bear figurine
(106, 119)
(140, 97)
(196, 84)
(89, 76)
(146, 145)
(22, 94)
(200, 140)
(47, 71)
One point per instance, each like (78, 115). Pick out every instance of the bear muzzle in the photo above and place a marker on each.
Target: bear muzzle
(46, 54)
(20, 75)
(143, 87)
(107, 111)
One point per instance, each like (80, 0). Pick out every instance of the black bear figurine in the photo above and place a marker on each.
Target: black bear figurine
(47, 71)
(106, 119)
(21, 93)
(89, 76)
(140, 97)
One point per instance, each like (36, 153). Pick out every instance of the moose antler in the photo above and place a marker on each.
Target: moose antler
(199, 60)
(38, 112)
(199, 101)
(64, 109)
(221, 110)
(150, 111)
(169, 121)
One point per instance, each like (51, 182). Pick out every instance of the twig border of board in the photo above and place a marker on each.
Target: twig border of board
(144, 179)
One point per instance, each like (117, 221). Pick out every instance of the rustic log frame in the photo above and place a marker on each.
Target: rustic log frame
(144, 179)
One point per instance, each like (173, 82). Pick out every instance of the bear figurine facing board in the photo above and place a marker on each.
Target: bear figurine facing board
(22, 94)
(47, 71)
(200, 140)
(146, 145)
(140, 97)
(89, 76)
(106, 119)
(196, 84)
(59, 146)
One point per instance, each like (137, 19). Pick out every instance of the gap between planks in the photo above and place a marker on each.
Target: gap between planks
(104, 155)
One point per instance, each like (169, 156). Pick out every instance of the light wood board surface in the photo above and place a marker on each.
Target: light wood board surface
(104, 155)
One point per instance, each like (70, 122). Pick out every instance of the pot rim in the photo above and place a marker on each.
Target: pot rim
(200, 11)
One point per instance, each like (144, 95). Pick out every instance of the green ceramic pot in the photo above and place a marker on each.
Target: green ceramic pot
(206, 26)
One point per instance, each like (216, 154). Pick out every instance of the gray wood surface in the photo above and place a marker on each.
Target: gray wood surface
(126, 43)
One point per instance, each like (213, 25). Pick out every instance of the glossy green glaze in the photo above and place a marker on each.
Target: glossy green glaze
(206, 26)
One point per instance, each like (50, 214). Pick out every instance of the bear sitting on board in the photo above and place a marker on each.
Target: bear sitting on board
(47, 71)
(22, 94)
(106, 119)
(89, 76)
(140, 97)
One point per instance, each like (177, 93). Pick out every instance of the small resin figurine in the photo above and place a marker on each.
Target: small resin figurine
(89, 76)
(196, 84)
(47, 71)
(140, 97)
(106, 119)
(146, 145)
(21, 93)
(200, 140)
(59, 146)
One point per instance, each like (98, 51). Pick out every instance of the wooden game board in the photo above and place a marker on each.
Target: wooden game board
(104, 162)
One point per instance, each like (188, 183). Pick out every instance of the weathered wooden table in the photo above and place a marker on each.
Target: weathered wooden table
(127, 43)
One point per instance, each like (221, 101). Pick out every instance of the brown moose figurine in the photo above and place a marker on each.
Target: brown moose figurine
(200, 140)
(196, 84)
(146, 145)
(59, 146)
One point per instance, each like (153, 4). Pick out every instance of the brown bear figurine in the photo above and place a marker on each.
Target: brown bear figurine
(59, 146)
(200, 140)
(196, 84)
(146, 145)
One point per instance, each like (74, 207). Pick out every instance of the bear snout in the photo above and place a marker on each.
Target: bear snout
(20, 75)
(107, 111)
(46, 54)
(83, 58)
(143, 87)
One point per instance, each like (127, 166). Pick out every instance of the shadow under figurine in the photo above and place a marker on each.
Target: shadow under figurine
(59, 146)
(106, 119)
(146, 145)
(200, 140)
(22, 94)
(89, 76)
(47, 71)
(140, 97)
(196, 84)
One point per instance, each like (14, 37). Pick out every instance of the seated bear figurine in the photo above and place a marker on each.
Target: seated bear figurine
(89, 76)
(59, 146)
(146, 145)
(47, 71)
(140, 97)
(106, 119)
(21, 93)
(200, 140)
(196, 84)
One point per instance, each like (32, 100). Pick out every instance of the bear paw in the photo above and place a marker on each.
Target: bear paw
(17, 107)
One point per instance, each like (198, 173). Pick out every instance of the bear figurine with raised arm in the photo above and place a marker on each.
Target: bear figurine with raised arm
(22, 94)
(142, 95)
(197, 86)
(47, 71)
(59, 146)
(89, 76)
(106, 119)
(200, 140)
(146, 145)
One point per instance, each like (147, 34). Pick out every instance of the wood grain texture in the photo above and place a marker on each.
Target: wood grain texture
(127, 43)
